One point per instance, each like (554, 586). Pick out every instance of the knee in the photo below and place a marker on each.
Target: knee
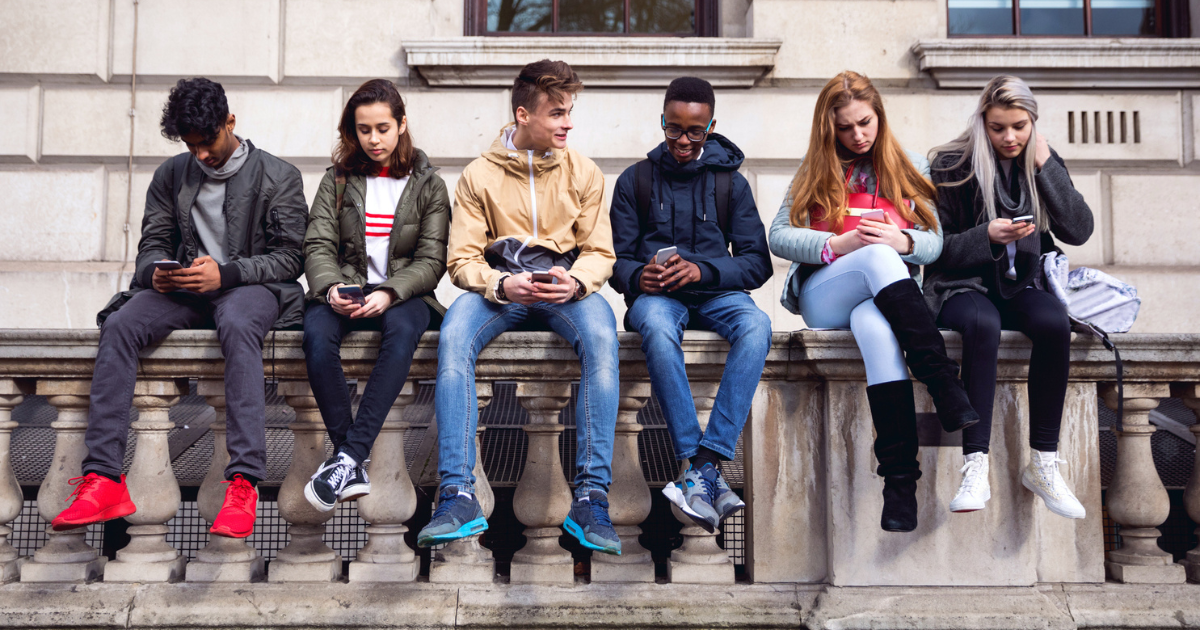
(882, 259)
(234, 332)
(983, 326)
(1050, 328)
(754, 328)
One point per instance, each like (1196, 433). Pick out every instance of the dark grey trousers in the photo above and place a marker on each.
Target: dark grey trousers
(242, 317)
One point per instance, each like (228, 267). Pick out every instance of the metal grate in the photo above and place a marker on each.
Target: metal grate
(29, 531)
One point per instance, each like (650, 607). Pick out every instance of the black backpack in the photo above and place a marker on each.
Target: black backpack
(644, 172)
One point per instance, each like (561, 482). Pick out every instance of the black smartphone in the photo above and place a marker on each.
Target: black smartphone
(543, 277)
(354, 293)
(167, 265)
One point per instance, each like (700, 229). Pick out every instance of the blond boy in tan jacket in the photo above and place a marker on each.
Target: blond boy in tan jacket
(531, 244)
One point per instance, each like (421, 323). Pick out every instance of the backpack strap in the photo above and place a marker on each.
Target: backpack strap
(178, 171)
(1097, 332)
(723, 188)
(339, 186)
(642, 175)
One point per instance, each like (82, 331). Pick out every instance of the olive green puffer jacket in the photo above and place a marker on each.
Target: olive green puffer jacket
(335, 243)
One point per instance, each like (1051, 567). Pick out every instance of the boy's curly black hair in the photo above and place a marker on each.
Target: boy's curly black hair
(691, 90)
(195, 106)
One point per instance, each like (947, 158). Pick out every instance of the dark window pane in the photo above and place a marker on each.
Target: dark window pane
(1051, 17)
(520, 15)
(981, 17)
(591, 16)
(1123, 17)
(662, 16)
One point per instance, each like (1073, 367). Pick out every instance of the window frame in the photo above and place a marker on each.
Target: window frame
(1168, 23)
(707, 12)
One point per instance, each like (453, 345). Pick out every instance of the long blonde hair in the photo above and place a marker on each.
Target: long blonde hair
(1008, 92)
(820, 181)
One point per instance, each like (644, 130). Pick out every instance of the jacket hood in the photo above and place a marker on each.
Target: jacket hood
(517, 162)
(720, 154)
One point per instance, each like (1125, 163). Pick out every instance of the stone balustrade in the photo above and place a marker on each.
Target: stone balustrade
(812, 497)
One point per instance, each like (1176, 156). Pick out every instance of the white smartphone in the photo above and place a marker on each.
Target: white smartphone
(1028, 218)
(874, 215)
(663, 255)
(167, 265)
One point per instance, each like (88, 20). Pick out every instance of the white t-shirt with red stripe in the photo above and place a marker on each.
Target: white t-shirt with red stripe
(383, 196)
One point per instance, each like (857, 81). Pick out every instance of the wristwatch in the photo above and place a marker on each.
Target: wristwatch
(580, 290)
(500, 295)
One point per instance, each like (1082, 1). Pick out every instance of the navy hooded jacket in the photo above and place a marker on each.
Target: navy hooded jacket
(683, 213)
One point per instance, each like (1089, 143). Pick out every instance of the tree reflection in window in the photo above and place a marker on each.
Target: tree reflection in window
(592, 16)
(1054, 17)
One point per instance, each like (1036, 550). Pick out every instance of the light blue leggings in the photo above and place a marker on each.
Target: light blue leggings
(840, 295)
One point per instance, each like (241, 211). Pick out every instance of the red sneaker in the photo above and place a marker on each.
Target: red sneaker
(97, 499)
(236, 518)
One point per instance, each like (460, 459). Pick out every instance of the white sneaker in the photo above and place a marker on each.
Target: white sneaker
(975, 489)
(1042, 477)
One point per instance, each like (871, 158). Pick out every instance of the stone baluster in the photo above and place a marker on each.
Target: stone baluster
(543, 498)
(154, 490)
(1190, 394)
(1136, 497)
(223, 559)
(700, 560)
(628, 496)
(392, 501)
(465, 560)
(66, 556)
(306, 558)
(12, 392)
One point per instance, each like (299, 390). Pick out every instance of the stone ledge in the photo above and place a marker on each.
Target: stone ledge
(1138, 63)
(600, 61)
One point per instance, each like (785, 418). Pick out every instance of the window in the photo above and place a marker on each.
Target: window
(1102, 18)
(679, 18)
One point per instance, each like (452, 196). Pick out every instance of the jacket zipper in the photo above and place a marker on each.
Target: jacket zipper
(533, 196)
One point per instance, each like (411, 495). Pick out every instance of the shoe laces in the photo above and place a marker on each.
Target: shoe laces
(341, 471)
(83, 485)
(710, 486)
(445, 506)
(973, 476)
(239, 490)
(600, 512)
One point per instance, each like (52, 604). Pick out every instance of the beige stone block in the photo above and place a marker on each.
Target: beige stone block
(1091, 253)
(58, 298)
(116, 246)
(873, 38)
(19, 129)
(312, 181)
(52, 214)
(316, 45)
(1168, 239)
(1161, 126)
(771, 186)
(924, 120)
(616, 123)
(288, 123)
(65, 108)
(1170, 301)
(767, 123)
(56, 37)
(170, 46)
(459, 124)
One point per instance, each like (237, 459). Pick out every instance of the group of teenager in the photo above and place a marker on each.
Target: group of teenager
(531, 242)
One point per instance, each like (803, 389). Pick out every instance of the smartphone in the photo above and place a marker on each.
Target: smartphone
(1028, 218)
(543, 277)
(167, 265)
(874, 215)
(354, 293)
(663, 255)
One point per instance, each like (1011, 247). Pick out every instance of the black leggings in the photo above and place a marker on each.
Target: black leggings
(1043, 319)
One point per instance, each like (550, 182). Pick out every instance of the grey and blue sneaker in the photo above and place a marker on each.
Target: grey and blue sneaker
(693, 494)
(325, 486)
(588, 522)
(458, 515)
(358, 485)
(727, 501)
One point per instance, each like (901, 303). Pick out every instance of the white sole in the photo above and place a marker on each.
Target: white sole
(314, 501)
(675, 495)
(1029, 486)
(357, 491)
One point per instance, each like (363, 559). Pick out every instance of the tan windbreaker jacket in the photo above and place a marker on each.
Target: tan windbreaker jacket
(554, 199)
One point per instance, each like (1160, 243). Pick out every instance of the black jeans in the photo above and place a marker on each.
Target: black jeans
(402, 326)
(242, 317)
(1043, 319)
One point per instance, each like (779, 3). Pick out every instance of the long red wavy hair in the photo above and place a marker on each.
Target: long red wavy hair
(821, 183)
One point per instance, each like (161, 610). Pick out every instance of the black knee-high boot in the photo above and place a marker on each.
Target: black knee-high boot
(903, 305)
(894, 413)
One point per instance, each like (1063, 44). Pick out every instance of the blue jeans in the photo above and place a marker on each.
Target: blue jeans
(402, 326)
(661, 321)
(470, 324)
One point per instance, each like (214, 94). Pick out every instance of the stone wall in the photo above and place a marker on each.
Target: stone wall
(288, 65)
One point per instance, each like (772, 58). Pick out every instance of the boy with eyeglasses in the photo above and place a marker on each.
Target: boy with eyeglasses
(687, 196)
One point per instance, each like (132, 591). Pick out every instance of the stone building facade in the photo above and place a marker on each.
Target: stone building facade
(78, 144)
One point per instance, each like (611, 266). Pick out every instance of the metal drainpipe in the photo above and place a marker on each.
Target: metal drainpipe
(132, 127)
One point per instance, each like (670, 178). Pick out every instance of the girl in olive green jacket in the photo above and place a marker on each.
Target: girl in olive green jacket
(372, 262)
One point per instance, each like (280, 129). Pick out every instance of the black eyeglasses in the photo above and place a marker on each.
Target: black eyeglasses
(695, 135)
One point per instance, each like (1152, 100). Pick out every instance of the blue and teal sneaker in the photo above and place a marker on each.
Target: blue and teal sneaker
(727, 502)
(588, 522)
(693, 494)
(458, 515)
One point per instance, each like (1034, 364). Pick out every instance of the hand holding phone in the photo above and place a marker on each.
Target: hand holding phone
(543, 277)
(663, 255)
(1028, 218)
(167, 265)
(352, 292)
(874, 215)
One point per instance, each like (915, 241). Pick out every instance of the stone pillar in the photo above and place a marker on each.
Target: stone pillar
(465, 560)
(223, 559)
(154, 490)
(700, 560)
(1137, 499)
(1190, 394)
(392, 501)
(12, 392)
(628, 496)
(66, 556)
(306, 558)
(543, 498)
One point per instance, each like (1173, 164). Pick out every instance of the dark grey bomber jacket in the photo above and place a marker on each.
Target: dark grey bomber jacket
(265, 216)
